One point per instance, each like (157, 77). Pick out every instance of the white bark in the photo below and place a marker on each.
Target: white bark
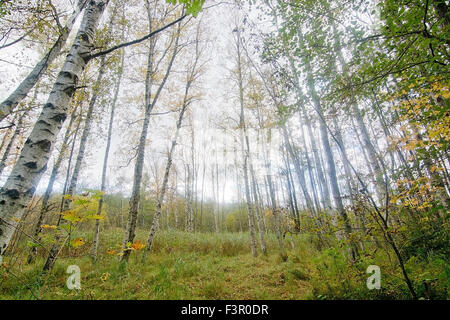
(244, 148)
(11, 142)
(48, 191)
(105, 160)
(135, 196)
(32, 163)
(162, 194)
(10, 103)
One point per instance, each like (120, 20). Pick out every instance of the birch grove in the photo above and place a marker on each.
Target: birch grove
(201, 149)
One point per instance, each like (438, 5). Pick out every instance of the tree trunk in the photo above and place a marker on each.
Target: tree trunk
(21, 184)
(244, 148)
(135, 196)
(160, 201)
(11, 142)
(105, 160)
(258, 210)
(328, 152)
(44, 207)
(8, 106)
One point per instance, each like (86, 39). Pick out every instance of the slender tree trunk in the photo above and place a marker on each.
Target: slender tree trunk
(105, 160)
(375, 161)
(203, 188)
(11, 142)
(155, 223)
(258, 210)
(298, 170)
(215, 213)
(312, 178)
(9, 131)
(51, 258)
(323, 186)
(244, 148)
(135, 196)
(327, 149)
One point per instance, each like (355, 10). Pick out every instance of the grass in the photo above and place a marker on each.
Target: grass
(219, 266)
(181, 266)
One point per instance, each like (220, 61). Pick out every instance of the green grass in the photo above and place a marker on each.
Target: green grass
(181, 266)
(218, 266)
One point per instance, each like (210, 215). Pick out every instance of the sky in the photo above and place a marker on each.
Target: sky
(17, 61)
(217, 108)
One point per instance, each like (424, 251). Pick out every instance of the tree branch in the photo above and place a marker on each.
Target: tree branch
(126, 44)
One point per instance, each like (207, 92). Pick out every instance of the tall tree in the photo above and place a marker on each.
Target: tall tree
(150, 103)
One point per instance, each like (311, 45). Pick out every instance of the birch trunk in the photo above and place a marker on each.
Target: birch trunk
(82, 148)
(323, 186)
(44, 207)
(291, 187)
(312, 179)
(327, 149)
(11, 142)
(271, 192)
(372, 154)
(21, 184)
(20, 93)
(160, 201)
(258, 210)
(7, 134)
(244, 149)
(186, 103)
(55, 248)
(298, 170)
(374, 160)
(135, 196)
(105, 160)
(215, 213)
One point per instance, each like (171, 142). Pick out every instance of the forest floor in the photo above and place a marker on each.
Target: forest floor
(211, 266)
(181, 266)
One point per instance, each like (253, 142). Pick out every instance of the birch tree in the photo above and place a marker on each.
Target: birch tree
(10, 103)
(149, 105)
(21, 184)
(193, 74)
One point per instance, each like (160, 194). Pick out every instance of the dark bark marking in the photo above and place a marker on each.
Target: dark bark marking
(66, 74)
(44, 145)
(60, 117)
(84, 37)
(49, 105)
(70, 90)
(31, 165)
(13, 194)
(44, 123)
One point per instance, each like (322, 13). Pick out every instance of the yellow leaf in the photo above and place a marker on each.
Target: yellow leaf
(78, 242)
(46, 226)
(104, 277)
(138, 245)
